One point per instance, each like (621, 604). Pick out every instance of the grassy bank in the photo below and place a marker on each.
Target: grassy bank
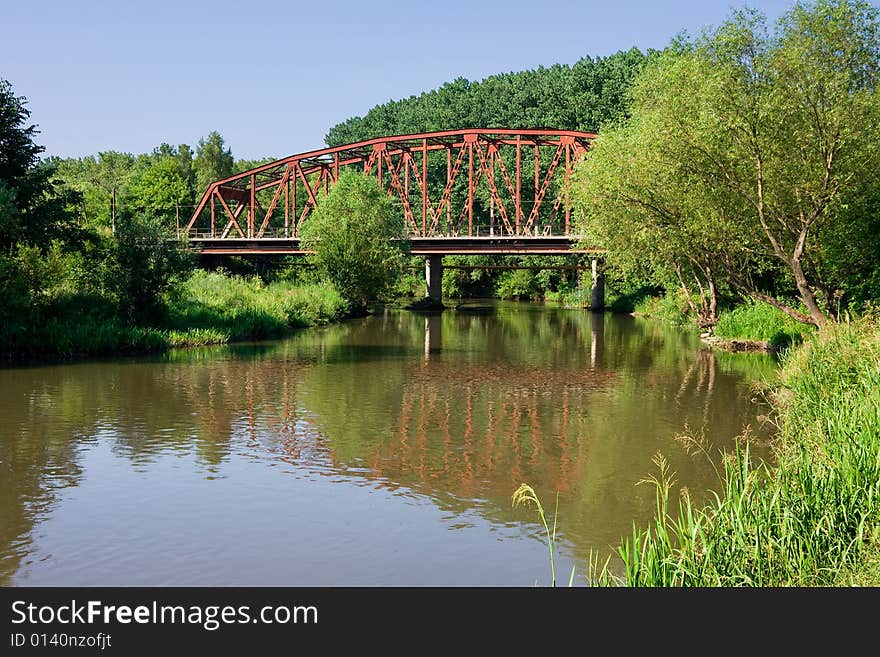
(758, 321)
(207, 308)
(249, 309)
(813, 518)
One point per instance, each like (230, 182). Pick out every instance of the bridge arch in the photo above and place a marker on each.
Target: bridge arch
(495, 183)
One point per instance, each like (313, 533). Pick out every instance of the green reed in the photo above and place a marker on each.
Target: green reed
(811, 519)
(525, 495)
(247, 308)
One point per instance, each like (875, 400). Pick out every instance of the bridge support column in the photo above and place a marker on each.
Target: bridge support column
(434, 278)
(597, 291)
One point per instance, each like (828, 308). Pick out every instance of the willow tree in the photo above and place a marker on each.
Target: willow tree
(743, 149)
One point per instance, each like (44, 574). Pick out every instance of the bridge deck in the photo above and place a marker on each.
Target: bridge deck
(463, 245)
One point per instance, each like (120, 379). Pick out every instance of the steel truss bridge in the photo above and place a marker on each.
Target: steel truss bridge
(472, 191)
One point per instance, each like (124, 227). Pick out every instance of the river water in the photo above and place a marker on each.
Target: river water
(381, 451)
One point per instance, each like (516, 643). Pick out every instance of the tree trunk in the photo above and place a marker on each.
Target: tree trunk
(113, 210)
(687, 292)
(807, 294)
(713, 300)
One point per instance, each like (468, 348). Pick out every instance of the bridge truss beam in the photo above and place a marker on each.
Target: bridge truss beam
(458, 183)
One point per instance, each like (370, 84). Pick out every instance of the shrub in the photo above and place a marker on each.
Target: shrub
(358, 239)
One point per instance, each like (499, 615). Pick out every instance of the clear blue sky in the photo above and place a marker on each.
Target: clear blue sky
(272, 76)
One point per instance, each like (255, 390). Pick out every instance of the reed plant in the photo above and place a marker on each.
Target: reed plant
(207, 308)
(525, 495)
(812, 518)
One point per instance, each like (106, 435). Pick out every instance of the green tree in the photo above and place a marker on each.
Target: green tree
(358, 240)
(213, 161)
(33, 210)
(162, 189)
(142, 261)
(111, 173)
(744, 149)
(37, 228)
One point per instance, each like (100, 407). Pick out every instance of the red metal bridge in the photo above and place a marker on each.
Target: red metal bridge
(492, 191)
(474, 191)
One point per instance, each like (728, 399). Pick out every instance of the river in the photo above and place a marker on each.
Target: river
(380, 451)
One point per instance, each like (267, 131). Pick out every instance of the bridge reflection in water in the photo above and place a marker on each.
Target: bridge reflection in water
(457, 409)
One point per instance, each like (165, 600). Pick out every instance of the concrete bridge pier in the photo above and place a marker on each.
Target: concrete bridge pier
(597, 290)
(434, 278)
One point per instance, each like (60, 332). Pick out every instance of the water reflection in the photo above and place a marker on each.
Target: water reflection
(445, 413)
(433, 334)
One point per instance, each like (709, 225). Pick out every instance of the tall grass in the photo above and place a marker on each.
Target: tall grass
(250, 309)
(754, 320)
(670, 307)
(68, 336)
(811, 519)
(526, 495)
(207, 308)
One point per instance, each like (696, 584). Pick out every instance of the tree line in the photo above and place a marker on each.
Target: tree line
(168, 181)
(586, 96)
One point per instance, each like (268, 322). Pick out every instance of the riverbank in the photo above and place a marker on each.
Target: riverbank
(207, 308)
(811, 519)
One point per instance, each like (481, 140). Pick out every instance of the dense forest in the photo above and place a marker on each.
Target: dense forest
(585, 96)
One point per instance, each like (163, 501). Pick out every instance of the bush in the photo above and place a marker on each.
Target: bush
(670, 307)
(358, 239)
(517, 284)
(144, 261)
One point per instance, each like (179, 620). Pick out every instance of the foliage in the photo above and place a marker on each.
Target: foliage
(585, 96)
(213, 160)
(626, 300)
(669, 307)
(814, 517)
(142, 263)
(359, 242)
(248, 308)
(759, 321)
(460, 283)
(112, 183)
(33, 211)
(163, 188)
(411, 282)
(517, 284)
(743, 153)
(76, 337)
